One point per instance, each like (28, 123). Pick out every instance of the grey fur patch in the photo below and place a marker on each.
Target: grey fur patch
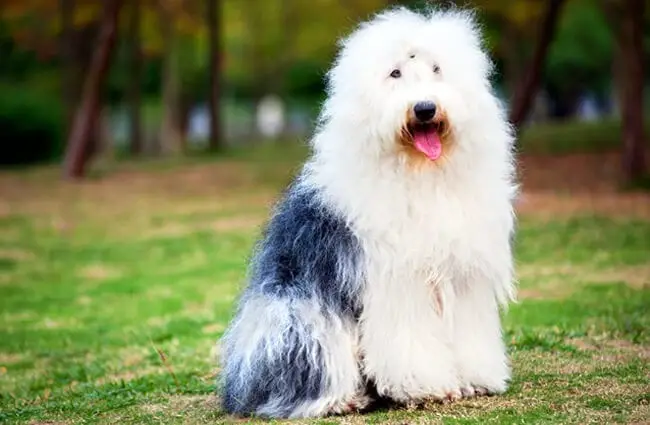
(307, 253)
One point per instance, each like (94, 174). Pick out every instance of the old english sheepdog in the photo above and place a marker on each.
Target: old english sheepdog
(383, 268)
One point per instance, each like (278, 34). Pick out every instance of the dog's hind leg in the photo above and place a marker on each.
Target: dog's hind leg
(288, 358)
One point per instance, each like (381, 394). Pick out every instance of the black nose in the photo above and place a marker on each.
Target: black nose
(424, 111)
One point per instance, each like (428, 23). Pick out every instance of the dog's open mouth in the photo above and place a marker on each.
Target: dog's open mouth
(426, 139)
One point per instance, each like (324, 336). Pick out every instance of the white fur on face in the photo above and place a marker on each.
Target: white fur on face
(362, 94)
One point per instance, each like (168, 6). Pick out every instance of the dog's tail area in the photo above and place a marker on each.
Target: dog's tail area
(289, 359)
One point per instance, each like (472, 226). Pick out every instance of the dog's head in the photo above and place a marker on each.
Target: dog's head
(407, 83)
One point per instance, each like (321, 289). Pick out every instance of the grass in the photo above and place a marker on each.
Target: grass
(113, 293)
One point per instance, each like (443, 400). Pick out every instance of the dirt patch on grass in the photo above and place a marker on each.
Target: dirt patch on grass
(534, 363)
(20, 316)
(635, 276)
(550, 205)
(130, 187)
(84, 300)
(561, 392)
(10, 235)
(168, 230)
(58, 323)
(8, 359)
(191, 408)
(98, 272)
(558, 281)
(15, 254)
(575, 172)
(237, 223)
(177, 403)
(213, 328)
(554, 289)
(641, 413)
(563, 381)
(612, 389)
(131, 356)
(552, 186)
(565, 185)
(611, 351)
(223, 203)
(231, 223)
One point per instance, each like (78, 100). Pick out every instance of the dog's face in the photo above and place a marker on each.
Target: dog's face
(412, 81)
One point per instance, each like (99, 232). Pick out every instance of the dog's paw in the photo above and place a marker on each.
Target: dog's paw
(484, 384)
(349, 405)
(424, 401)
(451, 396)
(470, 391)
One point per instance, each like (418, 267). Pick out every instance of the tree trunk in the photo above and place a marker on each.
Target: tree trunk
(87, 113)
(171, 138)
(527, 89)
(214, 32)
(255, 50)
(134, 93)
(630, 41)
(512, 59)
(69, 70)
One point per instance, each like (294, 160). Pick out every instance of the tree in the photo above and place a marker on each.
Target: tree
(134, 94)
(69, 70)
(34, 24)
(527, 88)
(87, 113)
(626, 17)
(171, 138)
(213, 17)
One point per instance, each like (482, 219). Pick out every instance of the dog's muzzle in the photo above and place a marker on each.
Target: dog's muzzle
(424, 111)
(426, 128)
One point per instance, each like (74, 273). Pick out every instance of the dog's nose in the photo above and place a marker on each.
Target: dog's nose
(424, 111)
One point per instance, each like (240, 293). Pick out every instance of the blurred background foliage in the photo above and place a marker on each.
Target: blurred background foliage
(155, 97)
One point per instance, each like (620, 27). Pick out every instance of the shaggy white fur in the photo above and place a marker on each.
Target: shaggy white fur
(434, 229)
(435, 235)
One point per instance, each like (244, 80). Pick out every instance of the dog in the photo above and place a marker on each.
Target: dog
(386, 261)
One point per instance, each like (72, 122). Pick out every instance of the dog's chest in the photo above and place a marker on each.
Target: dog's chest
(433, 229)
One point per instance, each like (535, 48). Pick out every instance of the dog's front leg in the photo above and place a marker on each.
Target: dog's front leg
(405, 344)
(479, 348)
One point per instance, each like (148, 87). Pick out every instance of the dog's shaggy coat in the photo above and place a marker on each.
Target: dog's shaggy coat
(385, 263)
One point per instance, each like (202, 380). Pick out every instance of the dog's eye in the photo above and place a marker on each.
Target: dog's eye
(396, 73)
(436, 69)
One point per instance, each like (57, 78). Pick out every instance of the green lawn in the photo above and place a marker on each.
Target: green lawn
(114, 292)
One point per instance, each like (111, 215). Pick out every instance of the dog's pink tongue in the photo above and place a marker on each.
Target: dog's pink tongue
(428, 142)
